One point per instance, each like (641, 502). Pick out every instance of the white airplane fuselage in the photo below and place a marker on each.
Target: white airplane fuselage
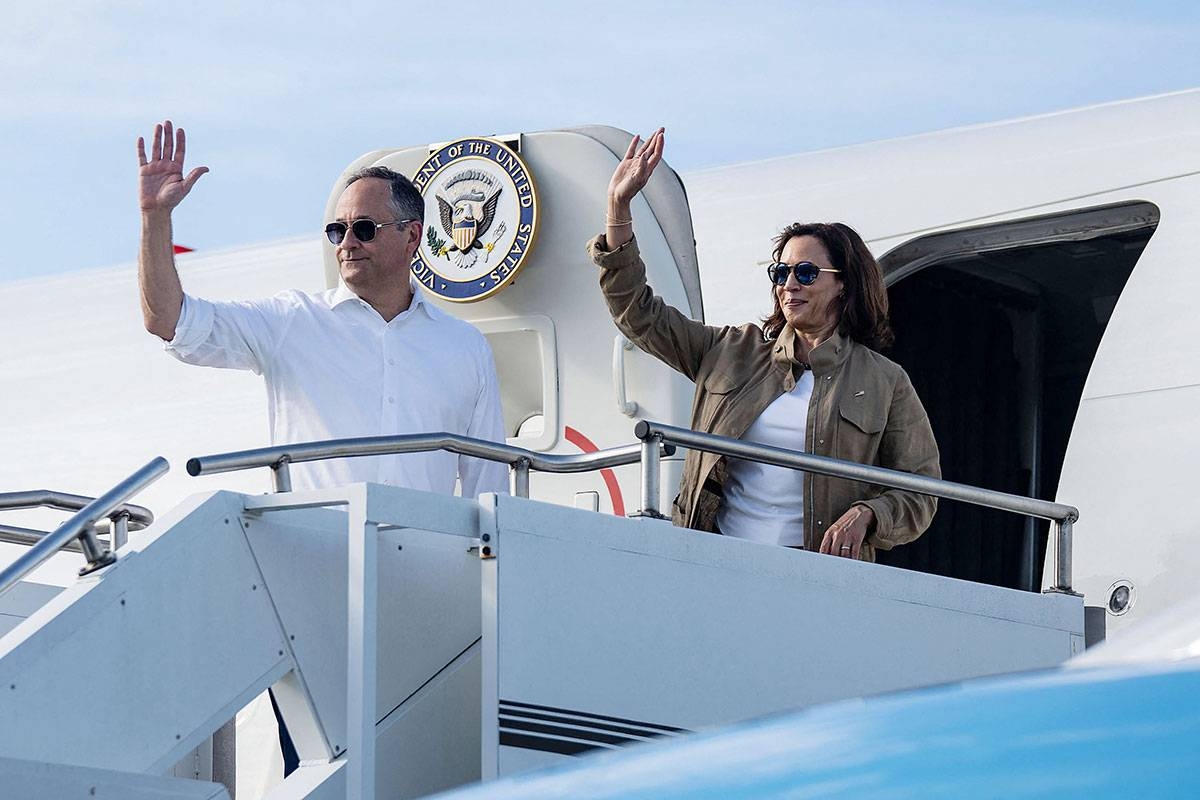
(1040, 278)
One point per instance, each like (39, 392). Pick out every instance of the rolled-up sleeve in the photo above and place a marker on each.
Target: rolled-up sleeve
(230, 335)
(645, 318)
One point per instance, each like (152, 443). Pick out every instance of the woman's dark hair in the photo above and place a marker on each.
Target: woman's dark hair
(864, 308)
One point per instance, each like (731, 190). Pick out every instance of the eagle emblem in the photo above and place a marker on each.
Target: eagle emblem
(482, 214)
(468, 218)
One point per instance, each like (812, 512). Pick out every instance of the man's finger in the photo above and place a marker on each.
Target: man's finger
(141, 150)
(192, 177)
(156, 147)
(180, 145)
(168, 151)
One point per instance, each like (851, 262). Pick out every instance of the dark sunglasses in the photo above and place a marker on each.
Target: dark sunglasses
(363, 229)
(806, 272)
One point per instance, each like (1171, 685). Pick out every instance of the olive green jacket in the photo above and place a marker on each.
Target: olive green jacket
(863, 407)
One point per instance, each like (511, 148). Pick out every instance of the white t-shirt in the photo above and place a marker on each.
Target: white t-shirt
(765, 503)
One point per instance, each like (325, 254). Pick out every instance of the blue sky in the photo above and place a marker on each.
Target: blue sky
(278, 98)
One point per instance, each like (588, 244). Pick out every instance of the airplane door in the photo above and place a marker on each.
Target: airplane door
(551, 335)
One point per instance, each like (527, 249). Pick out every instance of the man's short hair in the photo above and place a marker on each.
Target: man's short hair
(406, 200)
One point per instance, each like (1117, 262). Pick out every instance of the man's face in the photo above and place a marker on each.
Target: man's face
(383, 262)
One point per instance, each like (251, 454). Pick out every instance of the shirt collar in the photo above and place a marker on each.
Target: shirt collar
(343, 294)
(418, 298)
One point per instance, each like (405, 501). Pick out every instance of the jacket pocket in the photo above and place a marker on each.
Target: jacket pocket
(860, 430)
(720, 383)
(716, 397)
(868, 420)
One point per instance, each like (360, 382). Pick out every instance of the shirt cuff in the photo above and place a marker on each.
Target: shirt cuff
(623, 256)
(193, 328)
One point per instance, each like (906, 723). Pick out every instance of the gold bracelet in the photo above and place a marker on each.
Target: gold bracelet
(617, 223)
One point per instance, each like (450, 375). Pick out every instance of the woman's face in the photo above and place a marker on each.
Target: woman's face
(814, 309)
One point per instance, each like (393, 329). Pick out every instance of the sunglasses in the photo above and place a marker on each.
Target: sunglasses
(806, 272)
(363, 229)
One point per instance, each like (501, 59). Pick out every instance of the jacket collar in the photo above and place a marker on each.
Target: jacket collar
(824, 358)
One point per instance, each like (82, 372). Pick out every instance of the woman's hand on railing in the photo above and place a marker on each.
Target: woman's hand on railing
(844, 537)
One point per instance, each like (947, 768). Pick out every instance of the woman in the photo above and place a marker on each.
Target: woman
(810, 379)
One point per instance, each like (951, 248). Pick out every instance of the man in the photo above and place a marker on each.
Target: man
(371, 357)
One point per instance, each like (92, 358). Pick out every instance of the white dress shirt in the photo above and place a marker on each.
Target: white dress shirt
(334, 369)
(762, 502)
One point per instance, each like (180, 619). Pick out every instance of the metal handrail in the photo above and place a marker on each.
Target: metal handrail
(1061, 516)
(136, 517)
(518, 458)
(139, 516)
(81, 526)
(14, 534)
(656, 440)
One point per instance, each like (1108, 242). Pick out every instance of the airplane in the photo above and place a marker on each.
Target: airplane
(1038, 272)
(1120, 719)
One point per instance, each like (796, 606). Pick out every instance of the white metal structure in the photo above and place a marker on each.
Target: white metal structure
(461, 624)
(1075, 229)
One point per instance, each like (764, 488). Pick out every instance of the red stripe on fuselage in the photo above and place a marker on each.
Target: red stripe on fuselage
(610, 478)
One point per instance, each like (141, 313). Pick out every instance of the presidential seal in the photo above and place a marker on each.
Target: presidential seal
(481, 216)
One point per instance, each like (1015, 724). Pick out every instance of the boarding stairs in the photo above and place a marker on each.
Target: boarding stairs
(415, 642)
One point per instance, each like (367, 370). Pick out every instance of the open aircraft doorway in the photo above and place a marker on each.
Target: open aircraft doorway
(998, 325)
